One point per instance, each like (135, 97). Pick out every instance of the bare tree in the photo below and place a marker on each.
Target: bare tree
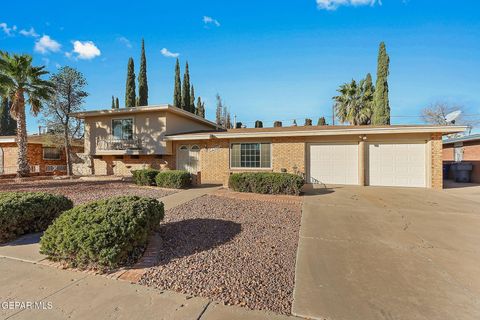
(436, 113)
(69, 97)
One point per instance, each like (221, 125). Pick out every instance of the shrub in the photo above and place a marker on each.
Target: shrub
(176, 179)
(145, 177)
(102, 234)
(267, 182)
(25, 212)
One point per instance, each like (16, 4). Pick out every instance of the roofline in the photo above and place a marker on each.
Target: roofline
(322, 132)
(163, 107)
(472, 137)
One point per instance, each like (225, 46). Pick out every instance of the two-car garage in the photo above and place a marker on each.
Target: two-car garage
(399, 164)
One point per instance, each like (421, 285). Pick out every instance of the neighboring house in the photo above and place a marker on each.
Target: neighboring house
(44, 156)
(121, 140)
(465, 149)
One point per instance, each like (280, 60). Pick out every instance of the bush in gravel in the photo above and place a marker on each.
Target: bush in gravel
(266, 182)
(25, 212)
(103, 234)
(177, 179)
(145, 177)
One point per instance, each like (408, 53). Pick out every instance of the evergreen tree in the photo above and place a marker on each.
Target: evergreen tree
(308, 122)
(192, 100)
(381, 105)
(277, 124)
(113, 102)
(258, 124)
(130, 99)
(177, 90)
(186, 89)
(142, 79)
(117, 103)
(294, 124)
(321, 121)
(8, 126)
(218, 110)
(200, 111)
(238, 125)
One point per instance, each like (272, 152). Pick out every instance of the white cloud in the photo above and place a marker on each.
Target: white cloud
(46, 44)
(169, 54)
(334, 4)
(29, 33)
(210, 21)
(125, 41)
(85, 50)
(6, 29)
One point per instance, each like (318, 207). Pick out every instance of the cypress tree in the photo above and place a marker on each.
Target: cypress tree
(177, 90)
(8, 126)
(321, 121)
(113, 102)
(381, 105)
(258, 124)
(186, 89)
(130, 99)
(117, 103)
(142, 79)
(192, 99)
(200, 111)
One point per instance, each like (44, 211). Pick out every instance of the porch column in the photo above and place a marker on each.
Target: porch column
(361, 163)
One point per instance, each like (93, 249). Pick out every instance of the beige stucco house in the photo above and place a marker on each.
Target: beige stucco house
(165, 137)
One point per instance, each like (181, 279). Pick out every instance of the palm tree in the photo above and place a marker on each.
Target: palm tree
(354, 103)
(18, 78)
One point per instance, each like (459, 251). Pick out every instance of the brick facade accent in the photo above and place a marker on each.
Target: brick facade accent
(437, 163)
(289, 154)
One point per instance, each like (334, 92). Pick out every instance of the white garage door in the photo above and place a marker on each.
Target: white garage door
(333, 163)
(397, 164)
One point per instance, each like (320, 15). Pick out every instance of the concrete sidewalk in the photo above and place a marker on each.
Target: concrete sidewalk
(75, 295)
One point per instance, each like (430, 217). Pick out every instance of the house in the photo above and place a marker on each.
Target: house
(466, 149)
(44, 155)
(121, 140)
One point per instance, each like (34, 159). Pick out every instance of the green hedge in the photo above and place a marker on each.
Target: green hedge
(103, 234)
(25, 212)
(145, 177)
(177, 179)
(267, 182)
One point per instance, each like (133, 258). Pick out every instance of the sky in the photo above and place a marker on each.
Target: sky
(268, 60)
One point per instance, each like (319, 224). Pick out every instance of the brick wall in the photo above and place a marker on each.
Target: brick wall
(437, 163)
(34, 155)
(123, 165)
(289, 154)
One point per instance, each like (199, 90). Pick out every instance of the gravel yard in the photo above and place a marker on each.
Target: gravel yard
(85, 191)
(241, 252)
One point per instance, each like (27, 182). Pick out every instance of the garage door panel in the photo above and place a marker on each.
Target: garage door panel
(397, 164)
(333, 163)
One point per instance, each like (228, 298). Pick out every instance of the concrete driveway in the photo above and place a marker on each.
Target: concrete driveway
(388, 253)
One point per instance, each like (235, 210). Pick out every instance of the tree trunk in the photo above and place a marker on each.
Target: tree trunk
(68, 158)
(23, 169)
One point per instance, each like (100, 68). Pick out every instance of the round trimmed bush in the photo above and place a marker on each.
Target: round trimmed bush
(144, 177)
(25, 212)
(176, 179)
(103, 234)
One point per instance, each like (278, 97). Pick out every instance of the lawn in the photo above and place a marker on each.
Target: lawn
(240, 252)
(84, 191)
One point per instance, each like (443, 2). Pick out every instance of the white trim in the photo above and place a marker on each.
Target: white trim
(339, 131)
(7, 140)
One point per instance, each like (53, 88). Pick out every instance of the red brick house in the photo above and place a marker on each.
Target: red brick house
(466, 149)
(44, 156)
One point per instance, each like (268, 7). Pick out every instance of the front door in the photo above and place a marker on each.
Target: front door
(188, 158)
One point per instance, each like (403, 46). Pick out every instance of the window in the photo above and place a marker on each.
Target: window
(122, 129)
(250, 155)
(51, 154)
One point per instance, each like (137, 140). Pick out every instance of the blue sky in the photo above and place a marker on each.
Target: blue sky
(269, 60)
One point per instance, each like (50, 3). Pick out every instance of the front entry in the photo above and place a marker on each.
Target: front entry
(188, 158)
